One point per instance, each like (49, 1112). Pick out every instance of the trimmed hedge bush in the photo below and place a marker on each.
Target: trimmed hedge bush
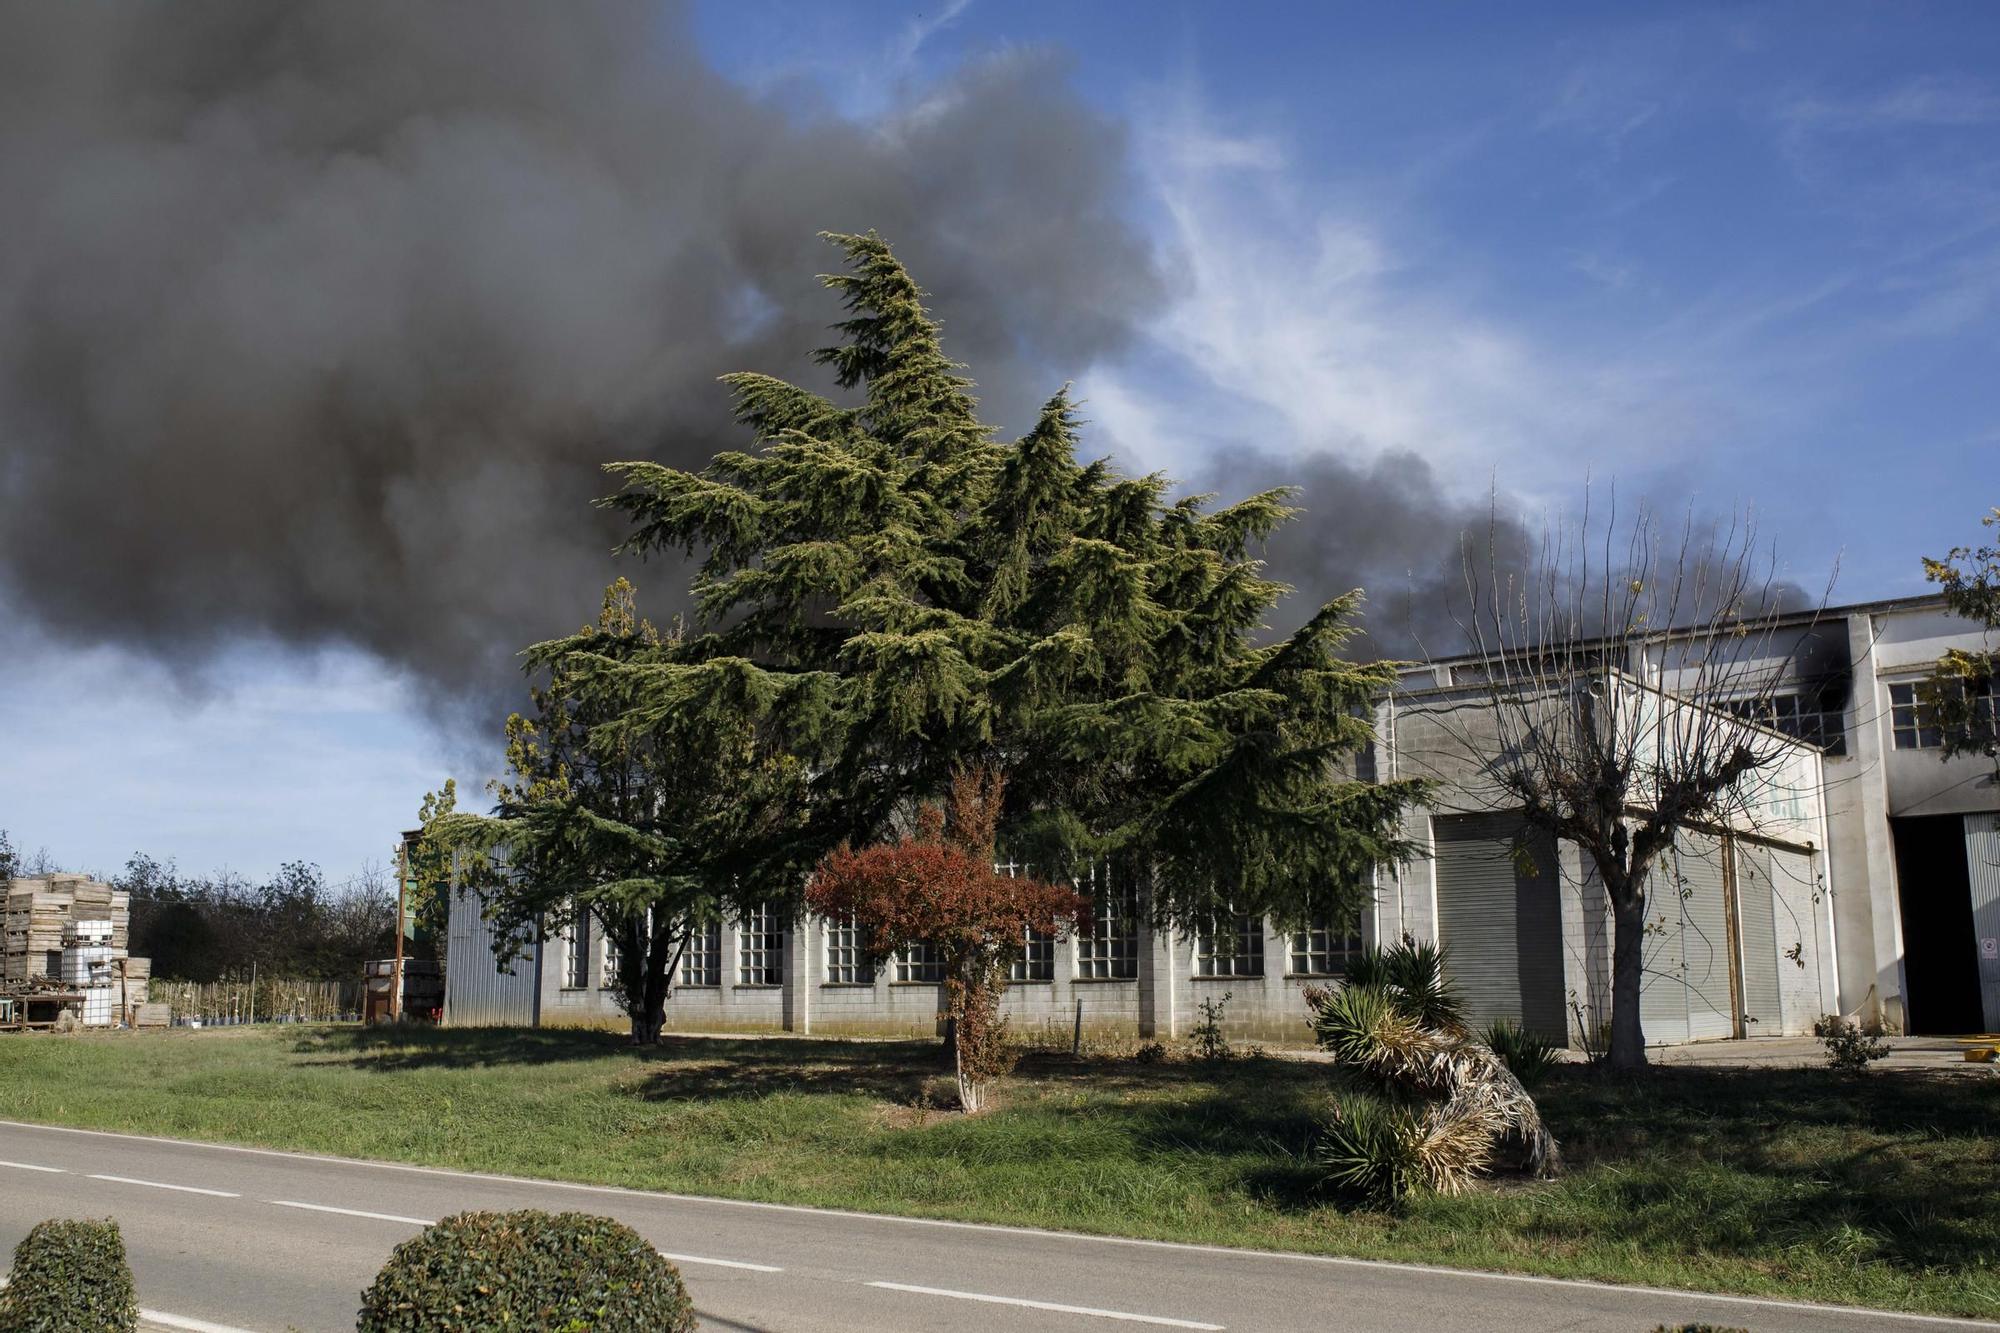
(527, 1270)
(70, 1276)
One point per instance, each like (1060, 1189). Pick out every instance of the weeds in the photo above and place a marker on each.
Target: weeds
(1210, 1042)
(1850, 1048)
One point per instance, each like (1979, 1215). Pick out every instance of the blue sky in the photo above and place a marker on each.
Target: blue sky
(1736, 256)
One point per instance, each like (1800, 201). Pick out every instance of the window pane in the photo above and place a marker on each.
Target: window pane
(576, 949)
(846, 961)
(919, 963)
(701, 964)
(1038, 958)
(1038, 948)
(1233, 947)
(1109, 950)
(1322, 950)
(761, 955)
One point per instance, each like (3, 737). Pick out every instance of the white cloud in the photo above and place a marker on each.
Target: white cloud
(264, 757)
(1315, 329)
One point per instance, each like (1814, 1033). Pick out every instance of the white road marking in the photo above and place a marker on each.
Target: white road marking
(30, 1166)
(162, 1185)
(720, 1263)
(176, 1320)
(1071, 1238)
(350, 1212)
(190, 1325)
(1124, 1315)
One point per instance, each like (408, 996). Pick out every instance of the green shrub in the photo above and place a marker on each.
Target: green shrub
(1527, 1054)
(1849, 1046)
(70, 1276)
(1414, 973)
(1369, 1148)
(527, 1270)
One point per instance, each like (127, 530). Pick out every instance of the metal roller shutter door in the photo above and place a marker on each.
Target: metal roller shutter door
(1705, 942)
(1475, 905)
(1756, 920)
(1799, 925)
(1503, 929)
(1538, 934)
(1982, 855)
(1663, 988)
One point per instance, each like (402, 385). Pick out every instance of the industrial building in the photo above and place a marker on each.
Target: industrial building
(1866, 879)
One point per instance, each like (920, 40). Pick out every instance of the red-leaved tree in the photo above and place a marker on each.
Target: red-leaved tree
(938, 887)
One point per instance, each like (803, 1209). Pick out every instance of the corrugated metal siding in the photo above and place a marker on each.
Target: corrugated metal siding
(1705, 942)
(1982, 858)
(1504, 928)
(1799, 924)
(1475, 906)
(1538, 942)
(1756, 919)
(476, 992)
(1663, 990)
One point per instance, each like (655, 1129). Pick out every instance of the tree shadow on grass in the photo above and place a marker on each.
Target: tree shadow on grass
(711, 1069)
(1891, 1167)
(390, 1048)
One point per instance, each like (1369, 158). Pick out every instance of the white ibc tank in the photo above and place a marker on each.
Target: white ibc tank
(99, 1006)
(84, 963)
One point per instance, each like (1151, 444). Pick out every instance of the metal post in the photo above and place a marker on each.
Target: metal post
(1076, 1038)
(253, 992)
(402, 891)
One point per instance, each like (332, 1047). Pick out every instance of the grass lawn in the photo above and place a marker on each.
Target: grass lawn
(1882, 1190)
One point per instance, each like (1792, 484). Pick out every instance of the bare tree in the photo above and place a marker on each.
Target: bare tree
(1626, 683)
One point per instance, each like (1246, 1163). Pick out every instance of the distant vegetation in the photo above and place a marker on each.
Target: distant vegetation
(216, 927)
(293, 925)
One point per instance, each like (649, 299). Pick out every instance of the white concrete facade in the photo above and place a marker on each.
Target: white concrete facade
(1842, 670)
(1819, 866)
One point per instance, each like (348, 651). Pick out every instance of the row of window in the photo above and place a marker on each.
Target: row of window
(1914, 723)
(1109, 952)
(1797, 717)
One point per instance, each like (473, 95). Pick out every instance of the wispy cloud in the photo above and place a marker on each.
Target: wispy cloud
(1303, 325)
(1928, 101)
(920, 29)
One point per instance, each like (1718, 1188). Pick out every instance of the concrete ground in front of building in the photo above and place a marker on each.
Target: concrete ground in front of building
(1926, 1053)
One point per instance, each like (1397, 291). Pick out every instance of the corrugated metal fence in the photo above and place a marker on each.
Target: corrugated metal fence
(478, 994)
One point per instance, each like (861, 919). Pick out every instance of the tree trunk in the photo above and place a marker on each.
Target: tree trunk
(649, 1015)
(1628, 964)
(970, 1094)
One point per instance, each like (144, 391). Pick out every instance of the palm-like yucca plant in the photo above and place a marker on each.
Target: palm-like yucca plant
(1412, 972)
(1443, 1107)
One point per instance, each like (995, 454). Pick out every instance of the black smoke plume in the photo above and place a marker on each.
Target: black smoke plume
(317, 319)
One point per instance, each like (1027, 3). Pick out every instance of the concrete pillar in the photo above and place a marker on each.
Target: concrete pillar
(803, 949)
(1861, 856)
(1159, 1008)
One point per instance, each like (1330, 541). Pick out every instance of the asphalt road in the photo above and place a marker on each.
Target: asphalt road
(235, 1238)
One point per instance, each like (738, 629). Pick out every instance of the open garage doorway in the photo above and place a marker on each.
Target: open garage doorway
(1940, 955)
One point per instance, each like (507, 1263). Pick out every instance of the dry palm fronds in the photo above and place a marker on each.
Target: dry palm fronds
(1475, 1108)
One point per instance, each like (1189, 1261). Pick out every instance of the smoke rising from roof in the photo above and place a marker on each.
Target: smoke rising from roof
(316, 320)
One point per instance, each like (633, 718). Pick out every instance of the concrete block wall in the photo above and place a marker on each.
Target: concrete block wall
(1161, 1003)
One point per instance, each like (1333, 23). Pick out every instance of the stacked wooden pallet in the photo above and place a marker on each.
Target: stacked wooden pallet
(36, 915)
(37, 911)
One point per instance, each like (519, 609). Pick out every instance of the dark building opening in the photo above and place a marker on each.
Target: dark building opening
(1934, 890)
